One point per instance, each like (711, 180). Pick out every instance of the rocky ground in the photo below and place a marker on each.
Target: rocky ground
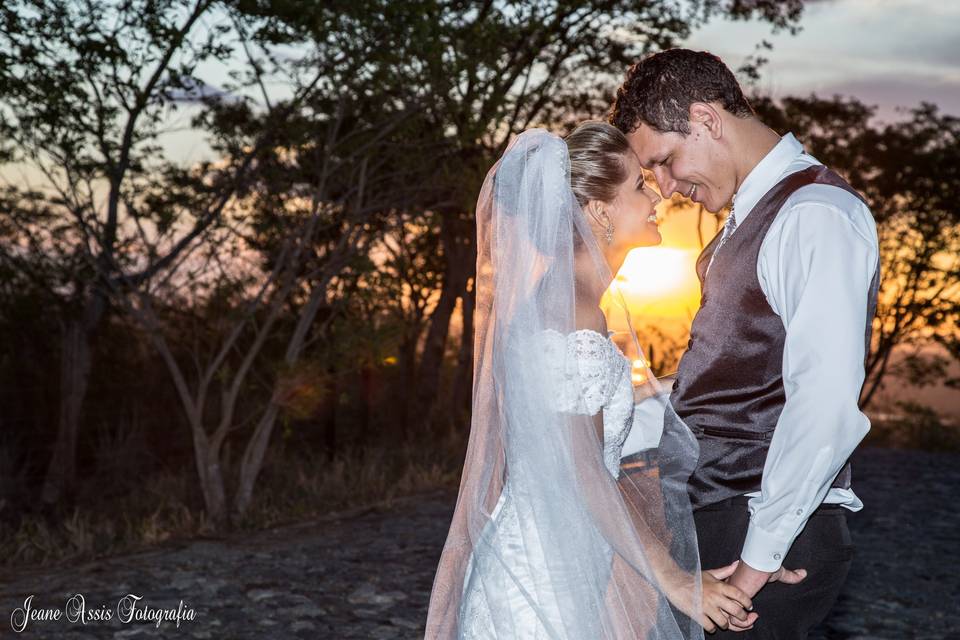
(367, 574)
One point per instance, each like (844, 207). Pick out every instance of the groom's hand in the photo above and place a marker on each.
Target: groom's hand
(750, 581)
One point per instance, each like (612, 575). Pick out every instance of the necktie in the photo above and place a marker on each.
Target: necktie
(728, 228)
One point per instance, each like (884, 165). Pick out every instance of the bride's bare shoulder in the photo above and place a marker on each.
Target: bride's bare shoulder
(590, 326)
(590, 318)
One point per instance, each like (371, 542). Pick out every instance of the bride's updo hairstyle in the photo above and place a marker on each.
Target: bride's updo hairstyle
(597, 169)
(594, 165)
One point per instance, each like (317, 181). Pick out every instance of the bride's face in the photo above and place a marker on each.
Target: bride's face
(633, 212)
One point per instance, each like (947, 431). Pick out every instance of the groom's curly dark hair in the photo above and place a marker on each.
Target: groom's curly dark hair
(659, 90)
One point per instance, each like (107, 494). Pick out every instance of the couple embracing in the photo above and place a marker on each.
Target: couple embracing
(598, 501)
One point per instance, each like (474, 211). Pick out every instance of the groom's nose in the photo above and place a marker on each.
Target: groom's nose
(665, 181)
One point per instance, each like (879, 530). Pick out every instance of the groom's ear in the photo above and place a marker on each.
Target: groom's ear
(708, 117)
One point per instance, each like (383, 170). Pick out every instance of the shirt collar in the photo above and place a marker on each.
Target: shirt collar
(765, 175)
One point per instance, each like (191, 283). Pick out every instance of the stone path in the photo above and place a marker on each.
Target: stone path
(367, 574)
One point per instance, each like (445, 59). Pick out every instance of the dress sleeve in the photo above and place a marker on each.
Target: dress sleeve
(581, 371)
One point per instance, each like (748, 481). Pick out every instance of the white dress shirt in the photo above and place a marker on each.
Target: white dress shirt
(815, 267)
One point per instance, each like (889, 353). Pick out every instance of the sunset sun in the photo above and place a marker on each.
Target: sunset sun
(658, 282)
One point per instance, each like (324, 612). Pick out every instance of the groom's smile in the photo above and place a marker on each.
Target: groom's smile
(689, 165)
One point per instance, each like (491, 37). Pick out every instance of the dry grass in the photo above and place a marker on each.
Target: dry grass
(915, 427)
(314, 485)
(294, 485)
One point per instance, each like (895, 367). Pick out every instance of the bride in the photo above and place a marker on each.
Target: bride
(549, 537)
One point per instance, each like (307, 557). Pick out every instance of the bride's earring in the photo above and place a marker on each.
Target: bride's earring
(600, 215)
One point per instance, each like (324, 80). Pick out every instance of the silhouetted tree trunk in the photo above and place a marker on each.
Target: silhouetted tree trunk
(76, 358)
(458, 249)
(256, 449)
(462, 394)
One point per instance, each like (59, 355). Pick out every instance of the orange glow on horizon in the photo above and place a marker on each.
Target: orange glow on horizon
(656, 283)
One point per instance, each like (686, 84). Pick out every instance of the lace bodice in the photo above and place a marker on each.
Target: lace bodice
(591, 374)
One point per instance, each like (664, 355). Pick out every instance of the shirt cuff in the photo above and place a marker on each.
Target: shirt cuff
(763, 550)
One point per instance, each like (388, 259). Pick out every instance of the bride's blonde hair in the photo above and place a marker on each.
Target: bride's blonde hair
(597, 170)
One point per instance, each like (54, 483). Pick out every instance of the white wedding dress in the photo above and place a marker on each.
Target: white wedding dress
(548, 539)
(591, 375)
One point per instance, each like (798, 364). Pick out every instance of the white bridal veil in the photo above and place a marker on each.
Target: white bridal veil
(620, 552)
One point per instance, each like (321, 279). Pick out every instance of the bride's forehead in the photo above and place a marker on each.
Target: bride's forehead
(632, 163)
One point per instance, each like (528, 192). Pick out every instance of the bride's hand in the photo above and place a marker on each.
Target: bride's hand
(721, 601)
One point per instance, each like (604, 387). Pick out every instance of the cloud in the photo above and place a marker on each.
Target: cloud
(196, 90)
(892, 92)
(894, 53)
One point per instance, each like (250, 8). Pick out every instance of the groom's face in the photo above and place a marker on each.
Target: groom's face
(691, 165)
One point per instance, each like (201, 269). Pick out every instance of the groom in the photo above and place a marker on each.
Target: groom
(770, 380)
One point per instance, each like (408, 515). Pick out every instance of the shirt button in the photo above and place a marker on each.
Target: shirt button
(776, 556)
(799, 511)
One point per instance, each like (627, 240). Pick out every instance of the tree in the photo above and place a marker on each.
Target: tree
(315, 200)
(485, 71)
(376, 111)
(909, 171)
(86, 88)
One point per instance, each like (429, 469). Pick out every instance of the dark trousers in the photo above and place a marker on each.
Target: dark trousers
(786, 611)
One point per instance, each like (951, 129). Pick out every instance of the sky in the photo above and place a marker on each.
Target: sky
(888, 53)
